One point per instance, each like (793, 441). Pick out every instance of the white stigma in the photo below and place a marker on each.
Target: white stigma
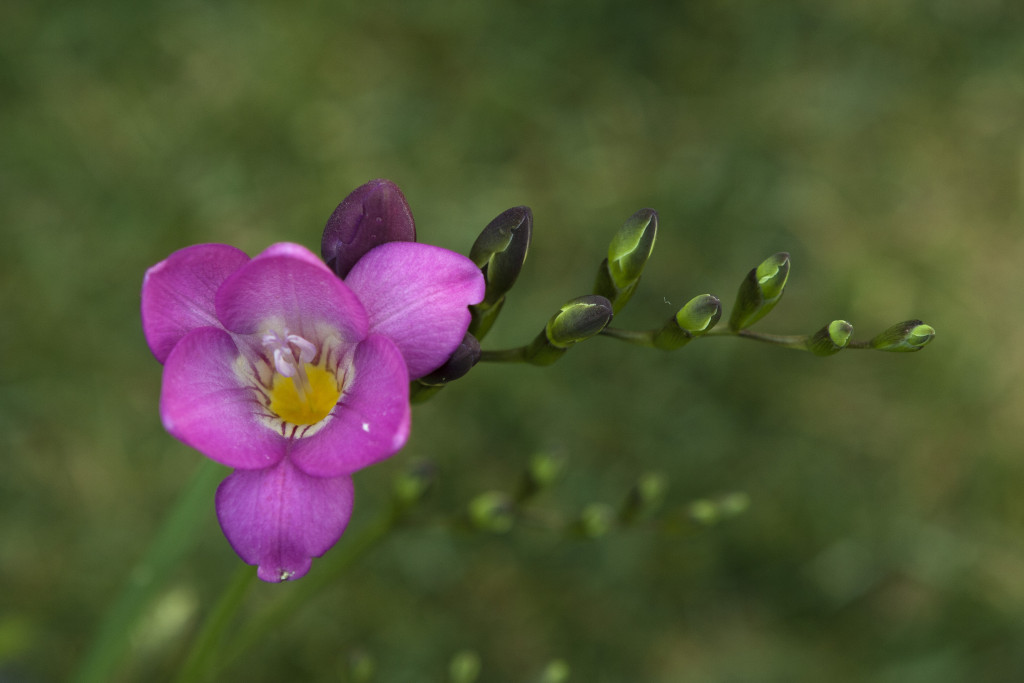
(291, 353)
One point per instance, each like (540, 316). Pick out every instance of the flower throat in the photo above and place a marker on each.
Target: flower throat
(302, 393)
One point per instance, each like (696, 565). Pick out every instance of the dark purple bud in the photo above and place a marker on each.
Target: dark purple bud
(371, 215)
(461, 361)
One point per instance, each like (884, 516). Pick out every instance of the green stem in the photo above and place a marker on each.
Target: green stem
(330, 568)
(789, 341)
(175, 538)
(516, 355)
(199, 664)
(644, 338)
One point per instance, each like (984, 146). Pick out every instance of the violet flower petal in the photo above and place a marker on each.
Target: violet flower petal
(371, 215)
(289, 286)
(418, 294)
(178, 293)
(205, 404)
(280, 518)
(370, 422)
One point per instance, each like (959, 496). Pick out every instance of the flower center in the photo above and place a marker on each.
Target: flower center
(302, 393)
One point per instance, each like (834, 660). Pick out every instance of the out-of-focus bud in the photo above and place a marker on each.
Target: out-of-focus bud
(644, 498)
(557, 671)
(577, 320)
(371, 215)
(704, 511)
(541, 472)
(733, 504)
(492, 511)
(694, 319)
(911, 335)
(830, 339)
(500, 252)
(618, 275)
(464, 667)
(760, 291)
(412, 485)
(596, 520)
(361, 667)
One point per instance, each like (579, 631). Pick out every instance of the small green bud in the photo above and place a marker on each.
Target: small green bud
(646, 495)
(501, 249)
(697, 317)
(412, 485)
(618, 275)
(492, 511)
(541, 472)
(596, 520)
(557, 671)
(830, 339)
(577, 320)
(632, 246)
(464, 667)
(911, 335)
(760, 291)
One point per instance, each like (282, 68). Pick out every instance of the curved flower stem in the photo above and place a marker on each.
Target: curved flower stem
(516, 355)
(203, 652)
(312, 585)
(175, 538)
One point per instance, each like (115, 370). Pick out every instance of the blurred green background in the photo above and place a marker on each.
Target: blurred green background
(880, 142)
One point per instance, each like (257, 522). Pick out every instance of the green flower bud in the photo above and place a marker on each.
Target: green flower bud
(618, 275)
(632, 246)
(541, 472)
(830, 339)
(644, 497)
(596, 520)
(577, 320)
(557, 671)
(760, 291)
(501, 249)
(694, 319)
(492, 511)
(464, 667)
(911, 335)
(412, 485)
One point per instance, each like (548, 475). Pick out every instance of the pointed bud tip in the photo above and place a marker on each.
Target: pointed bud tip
(631, 247)
(911, 335)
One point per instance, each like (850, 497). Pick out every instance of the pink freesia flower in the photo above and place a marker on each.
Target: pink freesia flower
(276, 367)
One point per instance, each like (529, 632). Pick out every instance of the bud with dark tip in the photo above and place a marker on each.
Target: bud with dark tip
(911, 335)
(830, 339)
(500, 252)
(579, 319)
(492, 511)
(618, 275)
(760, 291)
(371, 215)
(697, 317)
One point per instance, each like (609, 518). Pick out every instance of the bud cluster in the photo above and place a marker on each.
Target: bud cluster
(377, 213)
